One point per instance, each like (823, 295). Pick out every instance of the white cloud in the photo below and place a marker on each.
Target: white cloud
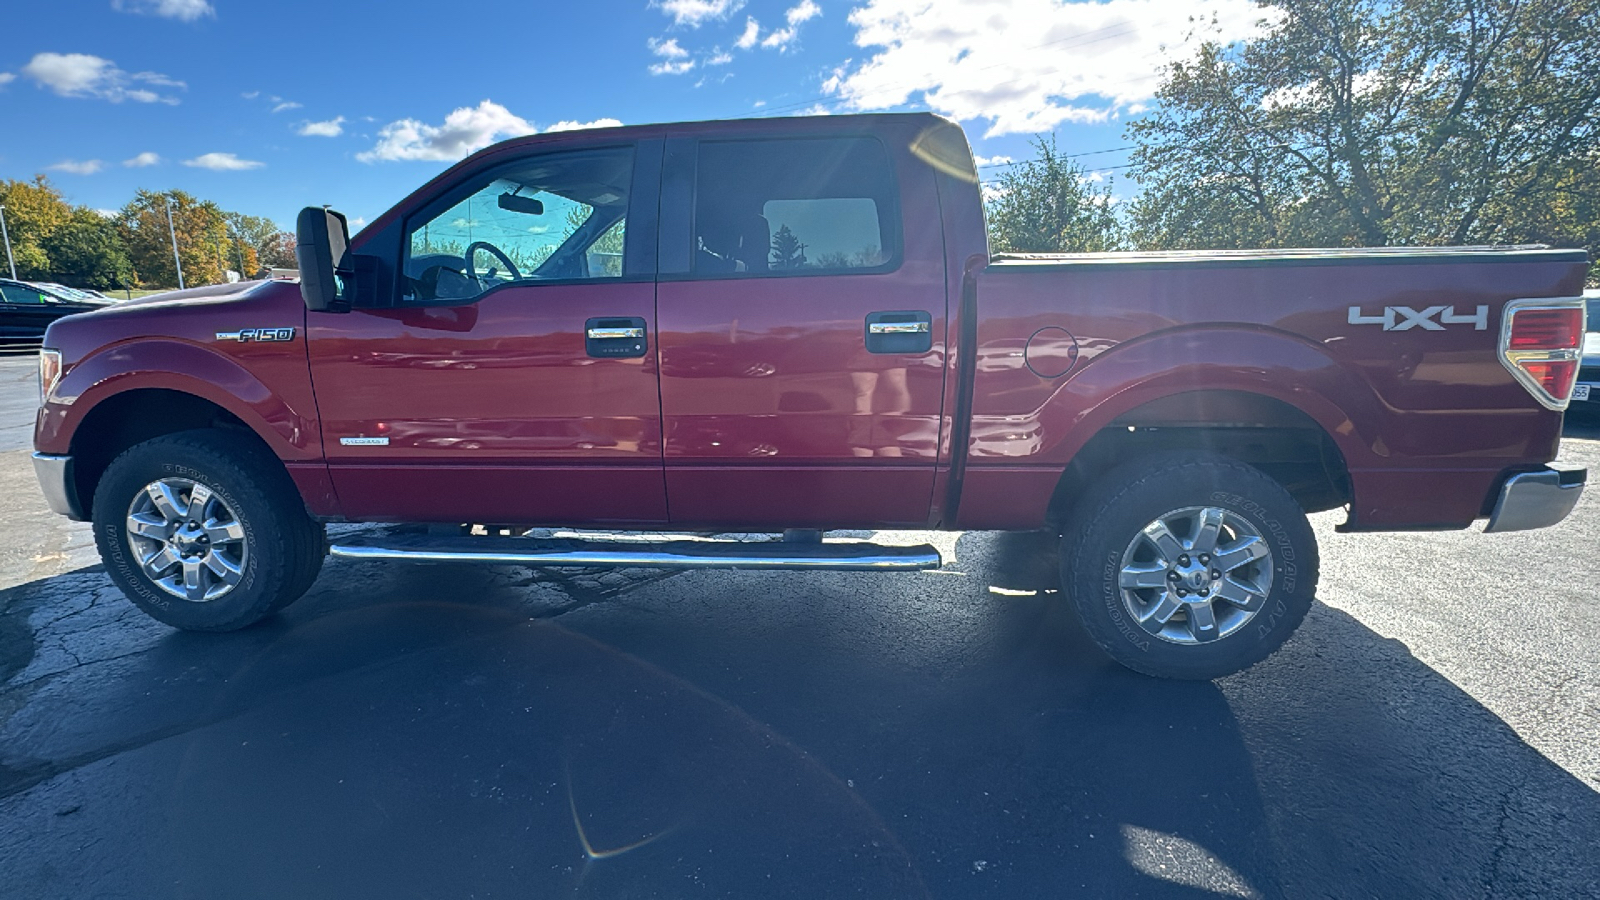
(222, 162)
(674, 59)
(667, 49)
(695, 13)
(331, 128)
(465, 130)
(752, 31)
(568, 125)
(719, 58)
(6, 78)
(144, 159)
(358, 222)
(780, 39)
(82, 75)
(981, 161)
(183, 10)
(107, 213)
(286, 105)
(250, 95)
(1032, 64)
(74, 167)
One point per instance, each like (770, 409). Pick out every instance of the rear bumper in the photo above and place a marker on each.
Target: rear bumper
(60, 490)
(1537, 499)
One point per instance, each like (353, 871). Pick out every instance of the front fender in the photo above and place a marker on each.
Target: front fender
(1271, 363)
(283, 414)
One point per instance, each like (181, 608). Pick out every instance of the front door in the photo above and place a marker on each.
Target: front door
(802, 347)
(512, 380)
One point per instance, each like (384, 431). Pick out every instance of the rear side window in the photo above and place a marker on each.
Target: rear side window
(794, 207)
(18, 294)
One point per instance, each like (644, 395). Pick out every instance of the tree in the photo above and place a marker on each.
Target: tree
(1050, 204)
(87, 251)
(787, 251)
(1374, 122)
(201, 229)
(34, 210)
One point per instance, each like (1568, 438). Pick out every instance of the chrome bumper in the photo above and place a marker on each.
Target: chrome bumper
(1537, 499)
(60, 491)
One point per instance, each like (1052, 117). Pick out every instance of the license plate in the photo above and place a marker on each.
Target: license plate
(1581, 392)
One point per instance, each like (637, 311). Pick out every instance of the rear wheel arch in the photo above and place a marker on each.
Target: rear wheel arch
(1270, 434)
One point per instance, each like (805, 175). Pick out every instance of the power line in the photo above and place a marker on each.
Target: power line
(1018, 162)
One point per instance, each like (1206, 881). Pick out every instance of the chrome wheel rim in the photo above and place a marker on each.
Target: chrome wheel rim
(1196, 575)
(188, 541)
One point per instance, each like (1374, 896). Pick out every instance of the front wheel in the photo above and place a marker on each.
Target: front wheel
(204, 531)
(1189, 565)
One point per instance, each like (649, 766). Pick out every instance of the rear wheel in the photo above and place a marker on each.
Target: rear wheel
(204, 531)
(1189, 565)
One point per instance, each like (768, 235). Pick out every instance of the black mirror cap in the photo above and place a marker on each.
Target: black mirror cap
(516, 203)
(321, 236)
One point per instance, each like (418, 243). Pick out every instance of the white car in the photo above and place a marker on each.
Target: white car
(1586, 395)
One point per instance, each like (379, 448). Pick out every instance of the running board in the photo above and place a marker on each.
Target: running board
(837, 556)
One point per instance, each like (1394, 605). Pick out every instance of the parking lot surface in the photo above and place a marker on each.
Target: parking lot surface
(447, 731)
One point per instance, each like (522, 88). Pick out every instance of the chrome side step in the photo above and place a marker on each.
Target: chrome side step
(846, 556)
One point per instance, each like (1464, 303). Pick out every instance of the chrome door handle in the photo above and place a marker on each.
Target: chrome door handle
(898, 328)
(608, 334)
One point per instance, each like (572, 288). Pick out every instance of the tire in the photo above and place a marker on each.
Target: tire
(252, 549)
(1264, 551)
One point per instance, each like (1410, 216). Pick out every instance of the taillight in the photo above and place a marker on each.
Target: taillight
(1539, 343)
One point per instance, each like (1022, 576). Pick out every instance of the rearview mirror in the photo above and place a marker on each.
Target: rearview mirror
(321, 236)
(516, 203)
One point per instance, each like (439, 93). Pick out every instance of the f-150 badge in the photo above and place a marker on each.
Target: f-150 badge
(1433, 318)
(259, 335)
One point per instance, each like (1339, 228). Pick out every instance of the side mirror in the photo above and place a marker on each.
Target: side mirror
(516, 203)
(321, 236)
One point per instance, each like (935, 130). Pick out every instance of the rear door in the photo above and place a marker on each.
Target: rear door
(802, 319)
(513, 380)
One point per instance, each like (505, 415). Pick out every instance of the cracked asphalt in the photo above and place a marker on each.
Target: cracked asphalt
(446, 731)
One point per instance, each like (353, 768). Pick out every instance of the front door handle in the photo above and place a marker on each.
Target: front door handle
(899, 332)
(616, 337)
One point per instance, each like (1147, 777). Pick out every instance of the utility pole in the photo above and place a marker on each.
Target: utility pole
(9, 261)
(171, 232)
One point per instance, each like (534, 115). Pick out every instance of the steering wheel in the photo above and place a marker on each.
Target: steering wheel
(499, 254)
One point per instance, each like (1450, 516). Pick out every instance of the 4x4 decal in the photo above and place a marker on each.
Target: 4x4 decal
(1404, 318)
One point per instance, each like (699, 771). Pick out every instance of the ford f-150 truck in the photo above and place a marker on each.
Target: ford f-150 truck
(791, 326)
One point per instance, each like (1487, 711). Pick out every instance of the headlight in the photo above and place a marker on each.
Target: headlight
(49, 373)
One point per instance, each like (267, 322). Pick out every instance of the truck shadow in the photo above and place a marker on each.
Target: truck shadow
(429, 731)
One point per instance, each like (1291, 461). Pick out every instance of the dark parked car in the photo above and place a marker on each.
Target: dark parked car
(28, 309)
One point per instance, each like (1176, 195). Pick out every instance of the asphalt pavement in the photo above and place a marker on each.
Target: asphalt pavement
(443, 731)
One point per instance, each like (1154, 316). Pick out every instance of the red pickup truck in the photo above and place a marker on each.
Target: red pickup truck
(794, 325)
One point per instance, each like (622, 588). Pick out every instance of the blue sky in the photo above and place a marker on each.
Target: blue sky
(268, 107)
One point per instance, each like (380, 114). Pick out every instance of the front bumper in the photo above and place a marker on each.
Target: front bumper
(1537, 499)
(60, 489)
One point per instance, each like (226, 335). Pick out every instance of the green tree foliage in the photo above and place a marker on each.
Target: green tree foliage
(787, 251)
(1360, 122)
(34, 210)
(1050, 204)
(87, 251)
(201, 228)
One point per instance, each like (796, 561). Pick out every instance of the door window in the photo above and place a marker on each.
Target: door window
(558, 216)
(16, 293)
(794, 207)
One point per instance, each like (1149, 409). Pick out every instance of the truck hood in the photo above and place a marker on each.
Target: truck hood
(210, 293)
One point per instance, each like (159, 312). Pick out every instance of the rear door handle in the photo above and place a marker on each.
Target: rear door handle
(616, 337)
(899, 332)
